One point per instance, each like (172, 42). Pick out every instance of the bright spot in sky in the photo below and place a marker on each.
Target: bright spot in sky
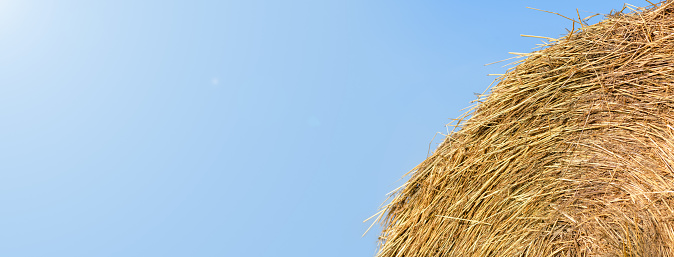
(8, 12)
(313, 122)
(215, 81)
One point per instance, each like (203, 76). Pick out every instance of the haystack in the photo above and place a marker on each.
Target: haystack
(571, 153)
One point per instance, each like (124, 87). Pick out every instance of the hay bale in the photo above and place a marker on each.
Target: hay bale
(570, 154)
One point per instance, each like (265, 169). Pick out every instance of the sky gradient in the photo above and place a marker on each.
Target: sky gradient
(233, 128)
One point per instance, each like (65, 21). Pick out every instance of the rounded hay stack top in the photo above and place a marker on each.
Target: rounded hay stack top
(570, 154)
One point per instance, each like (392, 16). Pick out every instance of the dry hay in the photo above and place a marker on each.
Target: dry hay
(570, 154)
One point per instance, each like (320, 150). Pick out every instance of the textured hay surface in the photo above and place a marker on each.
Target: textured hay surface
(571, 154)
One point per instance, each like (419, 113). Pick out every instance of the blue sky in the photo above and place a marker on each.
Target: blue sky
(233, 128)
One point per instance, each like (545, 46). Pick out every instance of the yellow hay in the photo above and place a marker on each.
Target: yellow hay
(570, 154)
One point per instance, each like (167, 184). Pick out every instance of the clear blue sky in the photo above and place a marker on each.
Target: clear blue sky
(232, 128)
